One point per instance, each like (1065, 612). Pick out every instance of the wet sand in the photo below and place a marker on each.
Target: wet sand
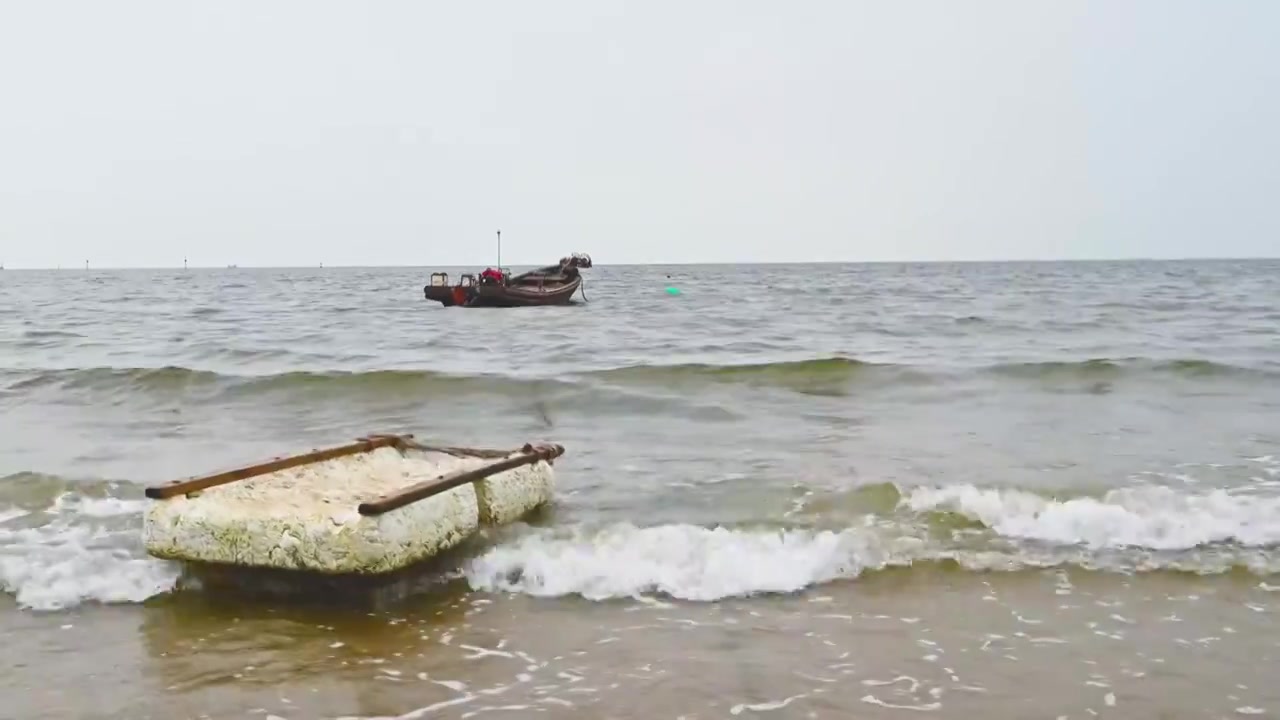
(924, 640)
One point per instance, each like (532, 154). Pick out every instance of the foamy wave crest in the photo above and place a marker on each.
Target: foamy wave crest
(681, 561)
(87, 552)
(1156, 518)
(97, 507)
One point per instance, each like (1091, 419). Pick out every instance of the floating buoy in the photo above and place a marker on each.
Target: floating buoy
(673, 291)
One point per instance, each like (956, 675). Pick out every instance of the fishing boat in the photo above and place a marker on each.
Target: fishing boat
(370, 508)
(497, 287)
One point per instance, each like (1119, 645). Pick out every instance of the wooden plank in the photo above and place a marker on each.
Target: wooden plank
(190, 485)
(529, 455)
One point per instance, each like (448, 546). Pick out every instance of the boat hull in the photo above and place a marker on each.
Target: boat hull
(503, 296)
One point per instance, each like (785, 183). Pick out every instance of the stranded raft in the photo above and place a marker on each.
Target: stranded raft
(372, 507)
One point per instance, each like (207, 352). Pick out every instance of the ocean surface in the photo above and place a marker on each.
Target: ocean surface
(1004, 490)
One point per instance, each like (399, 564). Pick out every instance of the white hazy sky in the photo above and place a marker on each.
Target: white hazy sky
(293, 133)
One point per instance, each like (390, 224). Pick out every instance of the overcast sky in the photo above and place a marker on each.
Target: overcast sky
(294, 133)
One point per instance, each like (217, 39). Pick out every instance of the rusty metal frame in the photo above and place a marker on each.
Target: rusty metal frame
(194, 484)
(528, 455)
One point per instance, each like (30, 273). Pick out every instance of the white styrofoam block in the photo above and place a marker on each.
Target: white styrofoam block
(305, 518)
(506, 497)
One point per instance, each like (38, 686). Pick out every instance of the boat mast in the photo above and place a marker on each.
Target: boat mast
(499, 250)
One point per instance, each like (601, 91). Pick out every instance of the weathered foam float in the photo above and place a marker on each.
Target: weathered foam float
(369, 508)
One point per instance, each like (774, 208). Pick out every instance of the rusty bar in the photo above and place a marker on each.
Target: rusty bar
(423, 490)
(182, 487)
(456, 451)
(401, 442)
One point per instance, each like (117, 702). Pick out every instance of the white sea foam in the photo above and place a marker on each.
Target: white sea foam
(99, 507)
(88, 549)
(1153, 517)
(766, 706)
(77, 557)
(687, 562)
(683, 561)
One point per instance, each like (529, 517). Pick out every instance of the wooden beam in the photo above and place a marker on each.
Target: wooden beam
(529, 455)
(190, 485)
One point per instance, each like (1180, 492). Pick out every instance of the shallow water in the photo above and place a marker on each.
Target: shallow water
(1010, 490)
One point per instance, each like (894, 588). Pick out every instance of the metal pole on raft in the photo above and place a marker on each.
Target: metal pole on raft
(499, 250)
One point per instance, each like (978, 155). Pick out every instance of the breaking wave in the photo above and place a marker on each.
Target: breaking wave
(1129, 530)
(64, 543)
(1153, 517)
(61, 547)
(682, 561)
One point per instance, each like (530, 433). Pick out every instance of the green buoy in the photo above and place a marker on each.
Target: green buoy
(673, 291)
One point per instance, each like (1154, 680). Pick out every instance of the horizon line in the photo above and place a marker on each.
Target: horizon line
(687, 263)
